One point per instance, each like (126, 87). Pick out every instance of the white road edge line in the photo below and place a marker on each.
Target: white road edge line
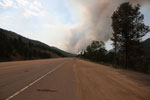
(18, 92)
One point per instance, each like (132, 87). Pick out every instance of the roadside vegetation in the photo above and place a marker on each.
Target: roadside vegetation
(129, 50)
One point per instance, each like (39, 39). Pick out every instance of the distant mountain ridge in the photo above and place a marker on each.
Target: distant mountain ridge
(15, 35)
(147, 42)
(146, 47)
(12, 36)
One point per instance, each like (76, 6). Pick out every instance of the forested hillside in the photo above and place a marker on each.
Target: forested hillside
(16, 47)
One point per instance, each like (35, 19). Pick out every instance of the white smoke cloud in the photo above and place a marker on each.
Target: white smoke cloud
(95, 21)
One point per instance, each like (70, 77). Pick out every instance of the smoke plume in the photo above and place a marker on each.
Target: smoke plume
(95, 22)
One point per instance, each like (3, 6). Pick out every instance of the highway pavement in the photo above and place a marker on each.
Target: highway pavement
(70, 79)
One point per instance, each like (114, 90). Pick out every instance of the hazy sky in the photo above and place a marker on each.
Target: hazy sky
(67, 24)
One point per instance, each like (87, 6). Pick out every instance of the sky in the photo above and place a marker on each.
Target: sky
(67, 24)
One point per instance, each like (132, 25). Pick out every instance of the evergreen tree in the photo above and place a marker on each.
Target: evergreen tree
(95, 51)
(128, 27)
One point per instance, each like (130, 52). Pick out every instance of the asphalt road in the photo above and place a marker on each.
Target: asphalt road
(37, 80)
(70, 79)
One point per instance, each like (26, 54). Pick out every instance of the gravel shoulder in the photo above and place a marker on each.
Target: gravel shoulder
(99, 82)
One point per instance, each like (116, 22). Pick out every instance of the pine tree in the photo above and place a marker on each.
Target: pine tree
(129, 28)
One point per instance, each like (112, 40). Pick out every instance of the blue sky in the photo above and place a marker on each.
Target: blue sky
(52, 21)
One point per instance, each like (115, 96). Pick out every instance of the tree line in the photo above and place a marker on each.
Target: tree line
(128, 30)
